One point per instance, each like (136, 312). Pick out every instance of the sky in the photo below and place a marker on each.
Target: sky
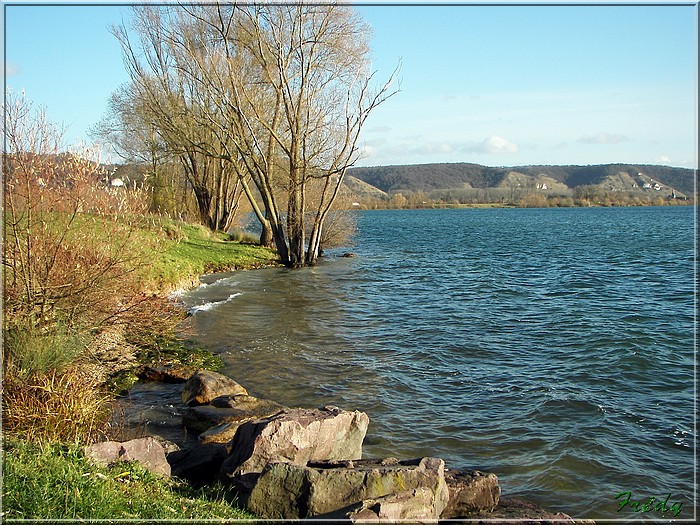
(498, 85)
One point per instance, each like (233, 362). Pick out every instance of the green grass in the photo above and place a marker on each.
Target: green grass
(182, 252)
(57, 482)
(44, 480)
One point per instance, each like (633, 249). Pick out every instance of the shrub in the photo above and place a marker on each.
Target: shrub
(243, 237)
(62, 264)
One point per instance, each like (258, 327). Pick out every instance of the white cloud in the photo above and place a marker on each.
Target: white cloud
(662, 158)
(491, 146)
(603, 138)
(433, 148)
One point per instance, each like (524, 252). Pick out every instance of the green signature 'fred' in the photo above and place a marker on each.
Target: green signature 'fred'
(652, 504)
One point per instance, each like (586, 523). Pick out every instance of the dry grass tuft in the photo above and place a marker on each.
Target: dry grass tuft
(68, 406)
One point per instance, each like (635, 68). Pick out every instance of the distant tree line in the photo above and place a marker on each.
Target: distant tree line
(582, 196)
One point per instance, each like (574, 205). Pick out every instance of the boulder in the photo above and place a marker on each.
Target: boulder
(246, 402)
(296, 435)
(148, 452)
(470, 491)
(222, 433)
(218, 422)
(205, 386)
(342, 490)
(414, 506)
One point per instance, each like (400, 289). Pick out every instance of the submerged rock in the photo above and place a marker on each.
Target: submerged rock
(513, 511)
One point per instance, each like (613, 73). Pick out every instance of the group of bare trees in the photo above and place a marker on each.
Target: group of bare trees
(265, 101)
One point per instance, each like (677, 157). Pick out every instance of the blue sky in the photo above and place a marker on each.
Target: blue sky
(495, 85)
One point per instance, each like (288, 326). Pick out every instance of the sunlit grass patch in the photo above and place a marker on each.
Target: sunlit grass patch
(58, 482)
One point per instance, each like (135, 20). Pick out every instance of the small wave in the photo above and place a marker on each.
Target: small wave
(682, 438)
(208, 306)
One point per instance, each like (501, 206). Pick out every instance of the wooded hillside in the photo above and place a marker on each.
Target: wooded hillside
(615, 177)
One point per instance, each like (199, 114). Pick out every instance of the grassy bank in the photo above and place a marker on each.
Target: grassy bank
(184, 251)
(96, 310)
(56, 481)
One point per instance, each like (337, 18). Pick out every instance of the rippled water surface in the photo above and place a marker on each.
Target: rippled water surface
(553, 347)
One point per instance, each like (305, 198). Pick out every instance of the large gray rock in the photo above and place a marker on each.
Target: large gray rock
(471, 491)
(334, 490)
(204, 386)
(148, 452)
(297, 435)
(218, 422)
(414, 506)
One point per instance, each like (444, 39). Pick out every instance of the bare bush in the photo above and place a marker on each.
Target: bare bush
(61, 264)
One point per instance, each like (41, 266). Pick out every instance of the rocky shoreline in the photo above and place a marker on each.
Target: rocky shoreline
(295, 463)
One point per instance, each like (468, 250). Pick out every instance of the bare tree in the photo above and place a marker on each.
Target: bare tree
(285, 89)
(158, 116)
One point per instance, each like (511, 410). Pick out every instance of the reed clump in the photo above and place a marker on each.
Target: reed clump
(69, 406)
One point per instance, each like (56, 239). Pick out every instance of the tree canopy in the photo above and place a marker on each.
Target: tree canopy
(270, 96)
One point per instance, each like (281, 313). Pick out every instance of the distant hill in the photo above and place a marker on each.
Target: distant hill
(615, 177)
(363, 190)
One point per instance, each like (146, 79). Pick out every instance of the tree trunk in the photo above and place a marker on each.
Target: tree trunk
(313, 252)
(295, 221)
(267, 239)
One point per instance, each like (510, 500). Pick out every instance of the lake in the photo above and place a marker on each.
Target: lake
(553, 347)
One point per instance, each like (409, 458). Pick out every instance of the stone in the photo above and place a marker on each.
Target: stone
(470, 491)
(218, 422)
(172, 373)
(201, 418)
(296, 435)
(198, 464)
(342, 490)
(205, 385)
(222, 433)
(246, 402)
(148, 452)
(414, 506)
